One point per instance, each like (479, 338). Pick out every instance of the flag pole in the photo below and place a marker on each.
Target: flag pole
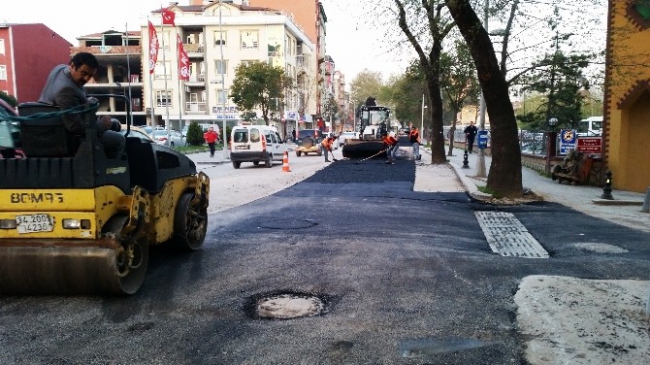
(180, 91)
(168, 122)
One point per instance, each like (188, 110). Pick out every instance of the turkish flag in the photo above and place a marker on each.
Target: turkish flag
(153, 48)
(183, 61)
(168, 17)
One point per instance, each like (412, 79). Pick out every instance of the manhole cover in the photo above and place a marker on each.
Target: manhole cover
(288, 224)
(286, 305)
(508, 237)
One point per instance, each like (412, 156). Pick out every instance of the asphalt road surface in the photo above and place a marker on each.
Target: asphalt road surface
(393, 276)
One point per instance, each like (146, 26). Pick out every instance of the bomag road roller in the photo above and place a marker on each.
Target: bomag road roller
(374, 122)
(73, 221)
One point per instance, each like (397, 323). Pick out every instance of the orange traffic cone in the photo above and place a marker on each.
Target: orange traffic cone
(285, 162)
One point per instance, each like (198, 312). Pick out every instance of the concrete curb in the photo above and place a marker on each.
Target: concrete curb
(616, 202)
(469, 185)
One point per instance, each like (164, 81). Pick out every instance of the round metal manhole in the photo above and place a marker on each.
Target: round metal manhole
(600, 247)
(287, 305)
(288, 224)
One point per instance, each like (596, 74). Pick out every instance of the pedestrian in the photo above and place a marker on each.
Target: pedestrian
(414, 138)
(392, 145)
(326, 146)
(470, 134)
(64, 88)
(211, 137)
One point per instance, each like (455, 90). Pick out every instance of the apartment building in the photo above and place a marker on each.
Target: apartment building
(28, 52)
(310, 16)
(217, 37)
(120, 73)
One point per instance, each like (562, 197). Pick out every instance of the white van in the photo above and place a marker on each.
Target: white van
(256, 143)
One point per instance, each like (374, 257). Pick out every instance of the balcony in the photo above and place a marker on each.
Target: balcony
(303, 62)
(196, 80)
(195, 107)
(194, 50)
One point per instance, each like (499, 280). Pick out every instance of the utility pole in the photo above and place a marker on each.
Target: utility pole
(480, 162)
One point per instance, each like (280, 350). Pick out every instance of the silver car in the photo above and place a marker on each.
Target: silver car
(175, 138)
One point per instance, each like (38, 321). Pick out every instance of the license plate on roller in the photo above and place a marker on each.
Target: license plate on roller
(31, 223)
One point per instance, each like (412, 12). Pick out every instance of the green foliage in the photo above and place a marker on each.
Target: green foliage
(259, 85)
(367, 83)
(8, 98)
(458, 77)
(194, 135)
(559, 78)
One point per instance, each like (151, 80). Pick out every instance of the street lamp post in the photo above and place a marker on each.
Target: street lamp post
(224, 135)
(552, 122)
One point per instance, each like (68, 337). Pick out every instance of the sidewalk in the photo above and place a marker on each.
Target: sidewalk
(625, 209)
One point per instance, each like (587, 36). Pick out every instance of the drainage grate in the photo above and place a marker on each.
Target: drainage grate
(508, 237)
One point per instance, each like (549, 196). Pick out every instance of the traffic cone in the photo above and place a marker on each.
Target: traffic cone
(285, 162)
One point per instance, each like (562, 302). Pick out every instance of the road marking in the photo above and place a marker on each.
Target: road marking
(508, 237)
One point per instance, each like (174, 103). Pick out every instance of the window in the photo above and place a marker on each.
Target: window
(222, 96)
(163, 98)
(2, 46)
(220, 38)
(249, 39)
(247, 62)
(162, 72)
(3, 72)
(221, 68)
(255, 135)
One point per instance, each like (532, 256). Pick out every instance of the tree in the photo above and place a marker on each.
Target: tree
(194, 135)
(458, 81)
(505, 171)
(425, 23)
(258, 85)
(366, 83)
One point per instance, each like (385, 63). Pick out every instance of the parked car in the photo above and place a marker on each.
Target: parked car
(175, 138)
(345, 136)
(256, 143)
(139, 132)
(309, 142)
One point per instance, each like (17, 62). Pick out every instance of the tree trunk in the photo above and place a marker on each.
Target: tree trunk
(435, 103)
(505, 170)
(452, 132)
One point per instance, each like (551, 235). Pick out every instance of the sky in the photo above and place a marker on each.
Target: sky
(348, 44)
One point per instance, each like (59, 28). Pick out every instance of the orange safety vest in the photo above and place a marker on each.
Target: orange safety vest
(388, 140)
(327, 143)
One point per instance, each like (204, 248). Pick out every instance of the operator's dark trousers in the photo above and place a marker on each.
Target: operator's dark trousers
(211, 145)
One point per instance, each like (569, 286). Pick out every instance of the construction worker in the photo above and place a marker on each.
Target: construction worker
(326, 146)
(414, 138)
(391, 144)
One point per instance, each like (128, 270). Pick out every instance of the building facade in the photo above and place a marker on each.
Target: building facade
(217, 37)
(626, 125)
(28, 52)
(310, 16)
(120, 72)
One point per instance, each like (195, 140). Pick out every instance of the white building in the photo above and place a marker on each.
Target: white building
(248, 33)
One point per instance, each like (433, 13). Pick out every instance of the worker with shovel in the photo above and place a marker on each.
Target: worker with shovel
(392, 145)
(326, 145)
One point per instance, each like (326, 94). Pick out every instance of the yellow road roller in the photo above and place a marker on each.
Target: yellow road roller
(73, 221)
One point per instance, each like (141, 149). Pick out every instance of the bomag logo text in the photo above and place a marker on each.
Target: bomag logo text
(23, 198)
